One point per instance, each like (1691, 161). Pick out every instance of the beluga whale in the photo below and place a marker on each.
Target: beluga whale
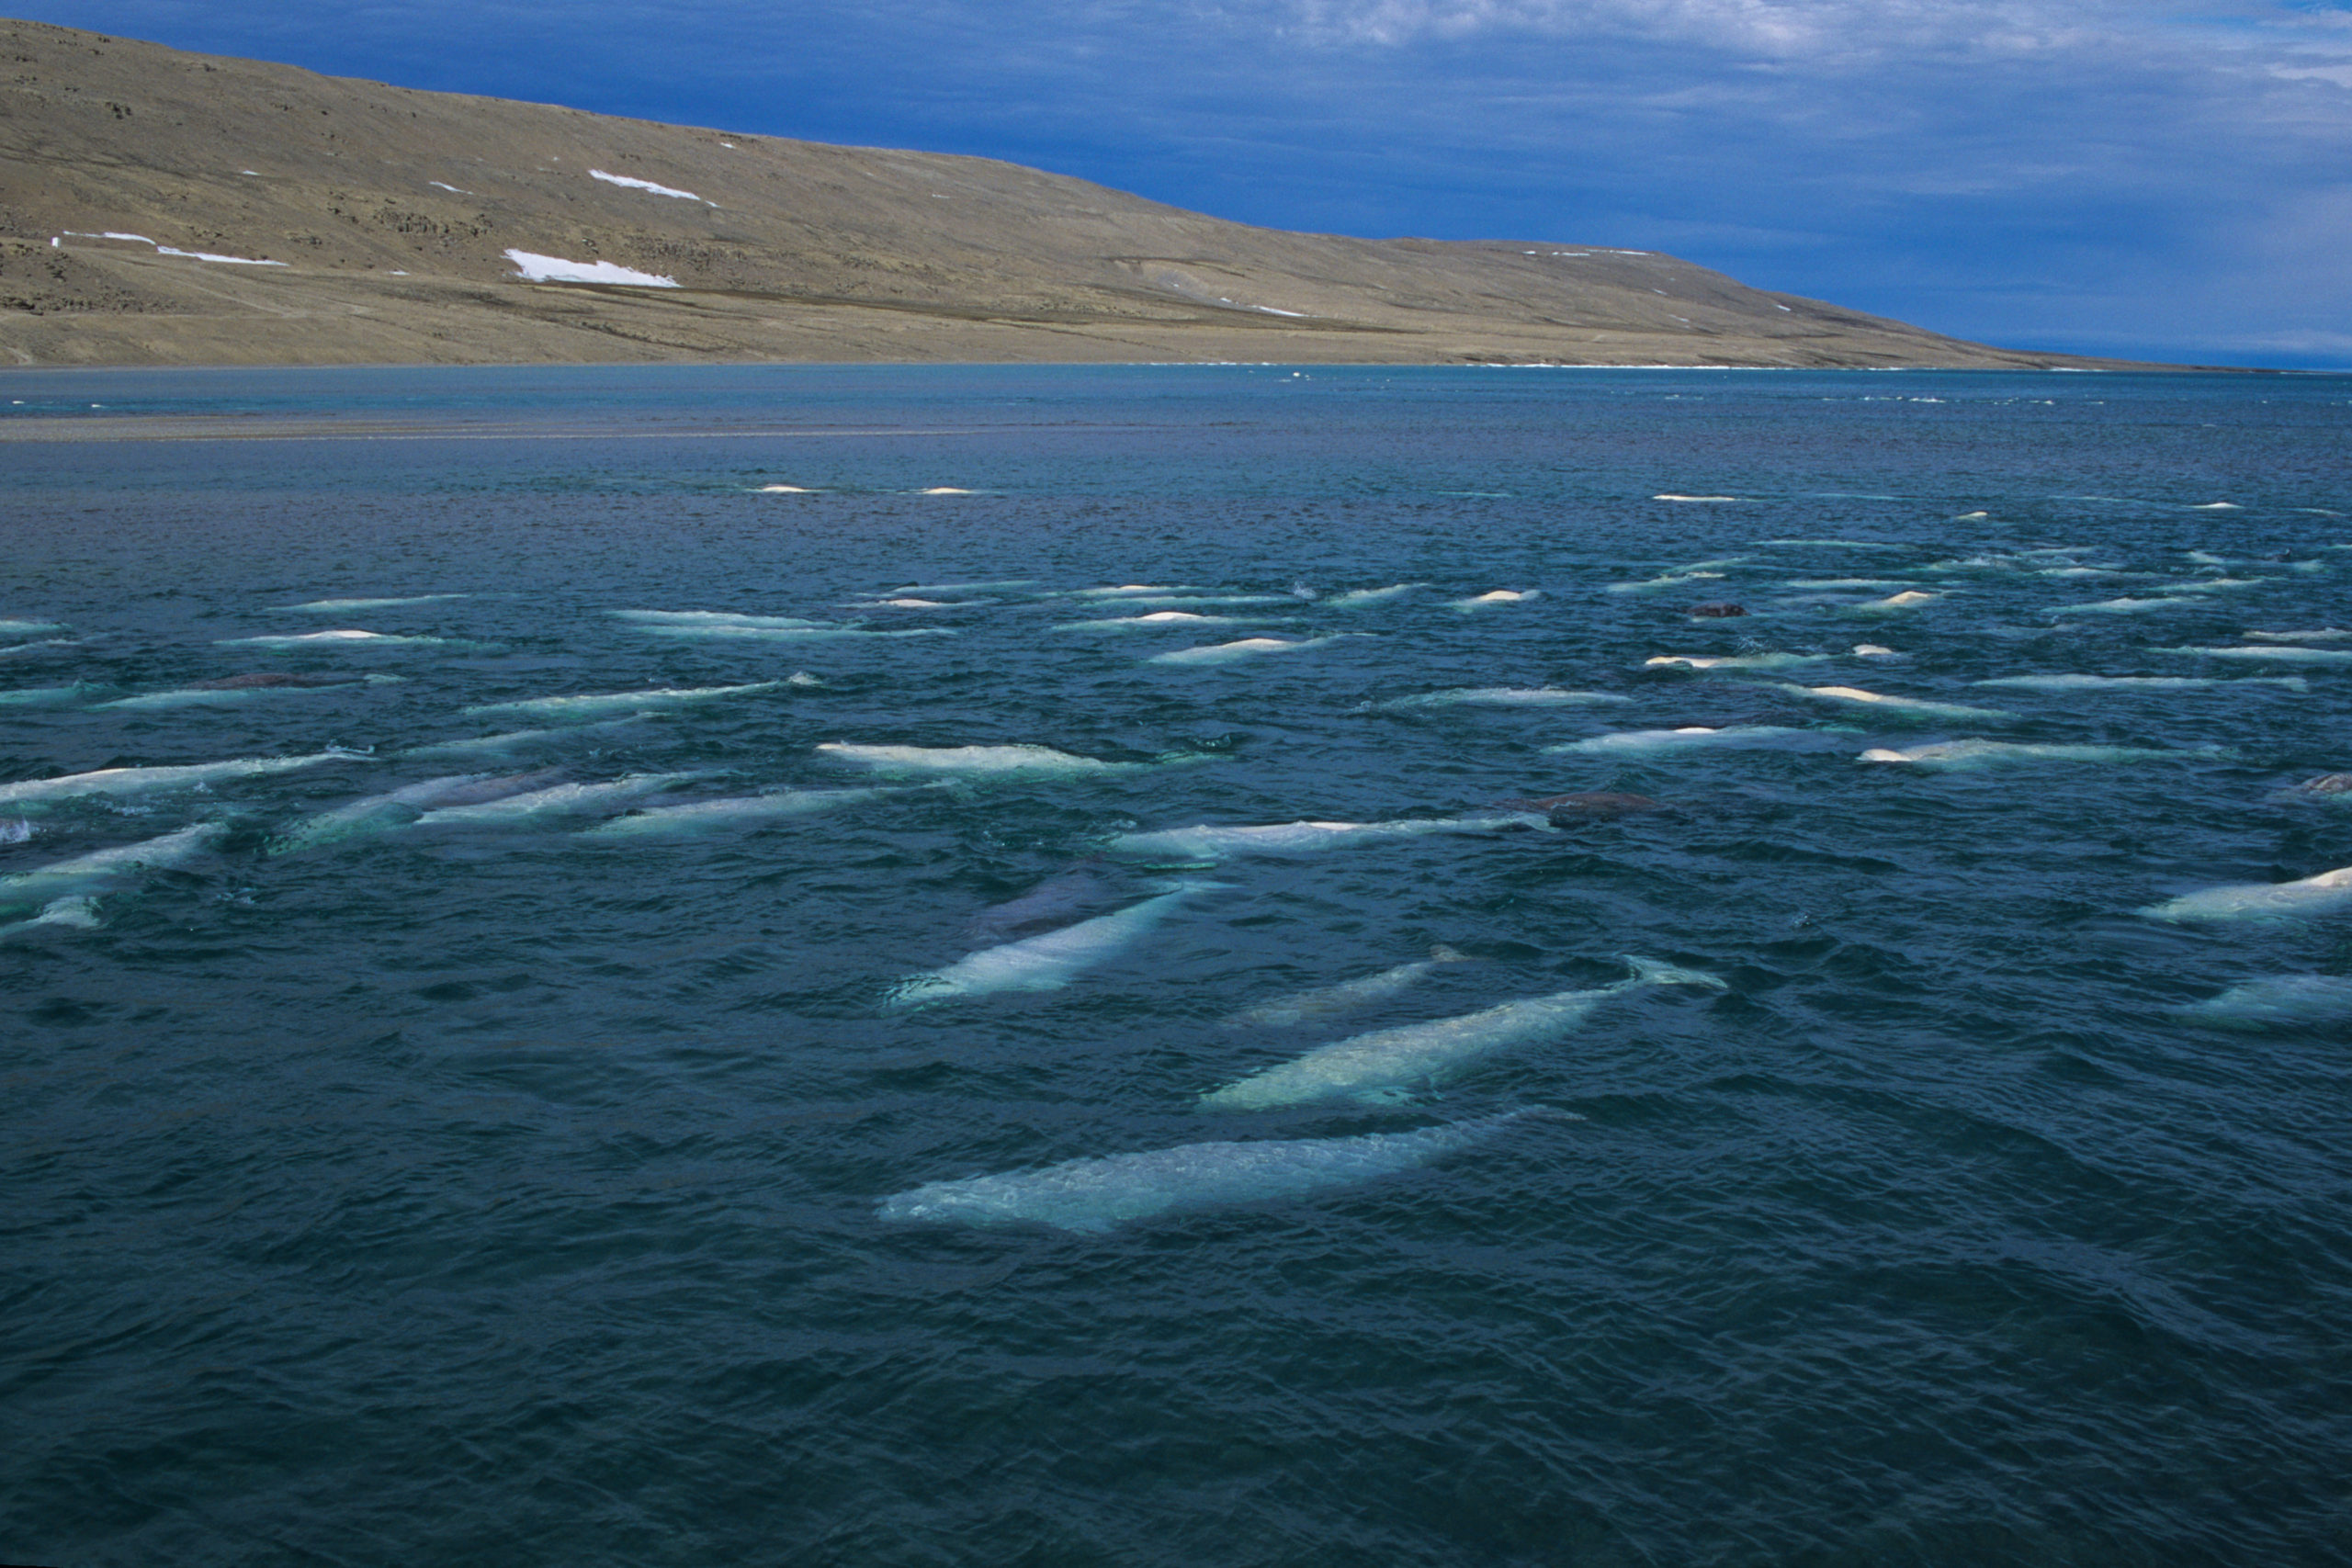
(67, 891)
(1092, 1197)
(2321, 895)
(1389, 1064)
(1047, 961)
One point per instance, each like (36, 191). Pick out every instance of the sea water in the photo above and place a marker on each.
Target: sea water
(502, 1190)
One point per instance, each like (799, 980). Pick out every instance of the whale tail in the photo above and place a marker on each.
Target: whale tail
(1650, 972)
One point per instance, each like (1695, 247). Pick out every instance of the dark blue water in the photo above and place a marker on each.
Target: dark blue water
(509, 1192)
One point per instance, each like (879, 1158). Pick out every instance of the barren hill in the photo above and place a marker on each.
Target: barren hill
(161, 207)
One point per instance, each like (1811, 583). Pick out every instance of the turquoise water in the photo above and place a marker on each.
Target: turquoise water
(557, 1182)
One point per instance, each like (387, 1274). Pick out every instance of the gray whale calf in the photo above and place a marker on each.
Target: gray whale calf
(1093, 1195)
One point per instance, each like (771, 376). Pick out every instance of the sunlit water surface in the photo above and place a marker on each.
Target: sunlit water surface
(509, 1188)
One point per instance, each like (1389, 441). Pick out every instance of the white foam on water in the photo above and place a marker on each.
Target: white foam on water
(535, 268)
(2323, 634)
(1128, 589)
(1852, 582)
(1002, 584)
(1671, 496)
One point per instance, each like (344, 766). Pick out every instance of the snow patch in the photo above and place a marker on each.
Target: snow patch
(555, 269)
(163, 250)
(643, 185)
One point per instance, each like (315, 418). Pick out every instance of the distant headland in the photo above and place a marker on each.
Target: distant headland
(163, 208)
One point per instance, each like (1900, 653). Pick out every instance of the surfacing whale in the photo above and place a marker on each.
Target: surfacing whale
(2281, 1002)
(1206, 844)
(1045, 962)
(382, 813)
(1349, 995)
(135, 780)
(1092, 1196)
(1033, 761)
(1390, 1063)
(2320, 894)
(600, 704)
(68, 889)
(1995, 753)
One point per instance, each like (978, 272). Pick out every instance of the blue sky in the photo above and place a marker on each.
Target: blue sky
(2153, 180)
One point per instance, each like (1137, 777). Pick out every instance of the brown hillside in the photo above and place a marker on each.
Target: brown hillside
(392, 212)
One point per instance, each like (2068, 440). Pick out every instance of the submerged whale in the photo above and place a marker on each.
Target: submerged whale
(135, 780)
(1092, 1196)
(2320, 894)
(731, 813)
(1206, 844)
(1045, 962)
(1388, 1063)
(1993, 753)
(1349, 995)
(555, 801)
(69, 888)
(1878, 702)
(600, 704)
(2281, 1002)
(1731, 737)
(382, 813)
(1056, 899)
(1036, 760)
